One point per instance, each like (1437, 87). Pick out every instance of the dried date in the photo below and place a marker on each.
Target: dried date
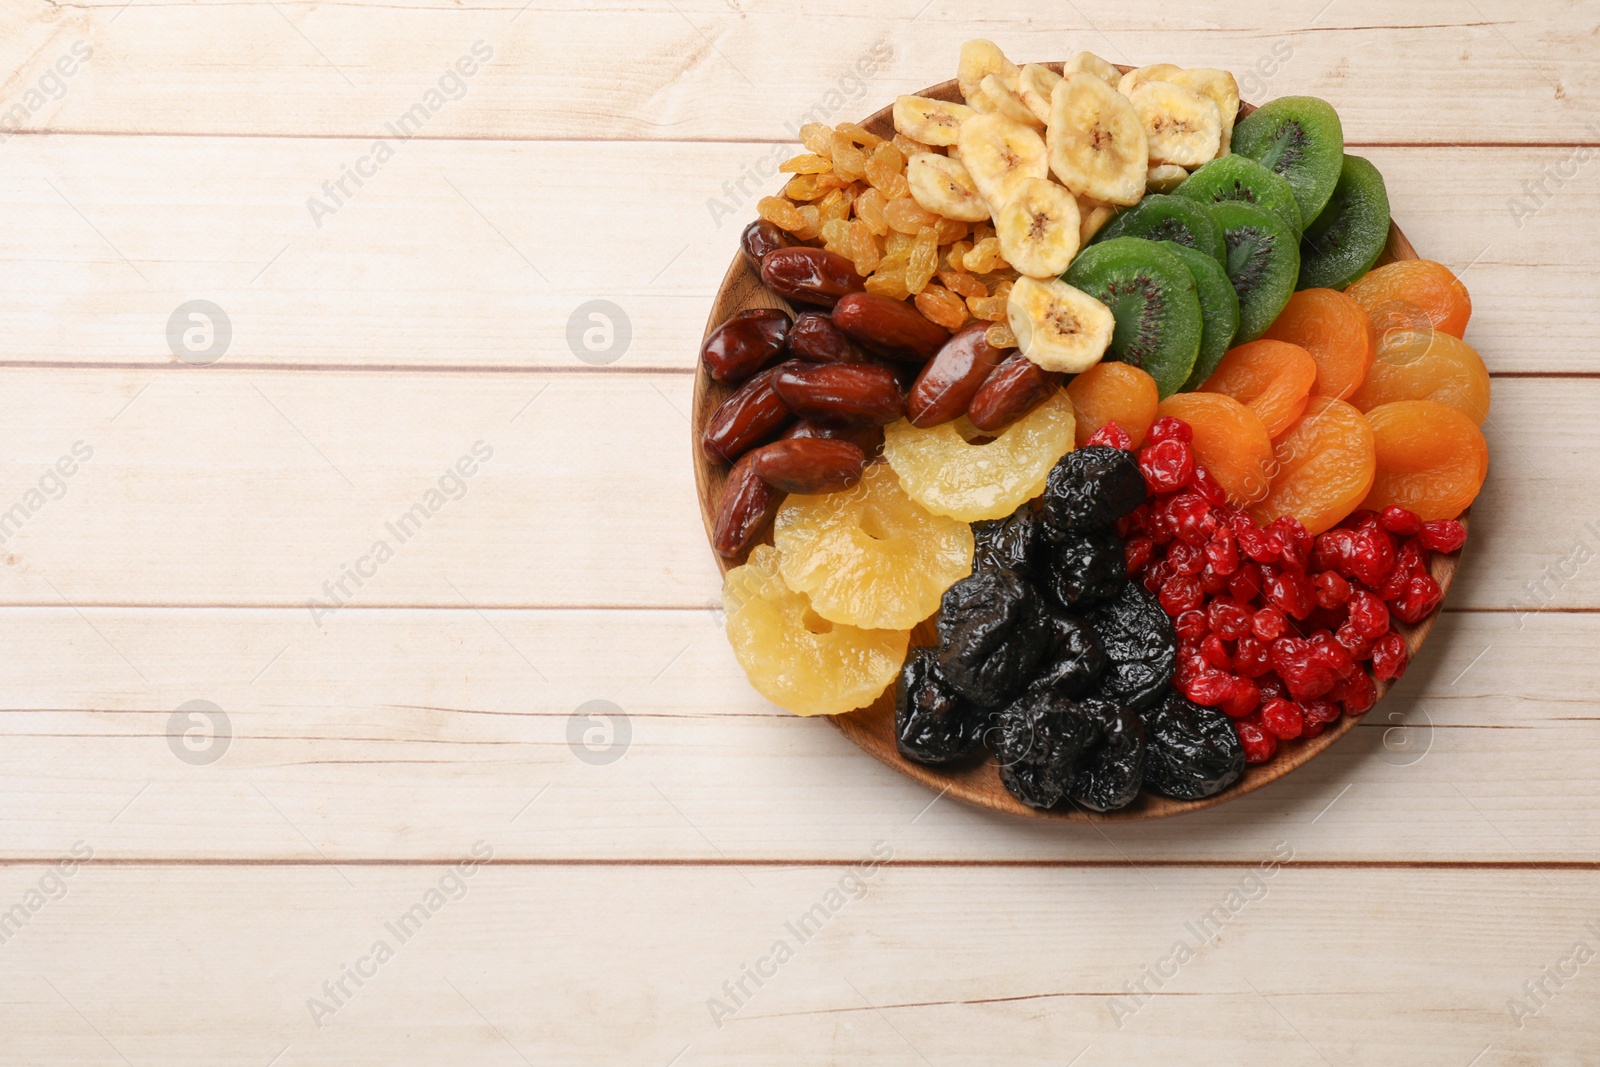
(745, 343)
(949, 381)
(867, 438)
(859, 394)
(813, 276)
(1015, 388)
(815, 338)
(752, 415)
(761, 237)
(891, 327)
(748, 505)
(808, 464)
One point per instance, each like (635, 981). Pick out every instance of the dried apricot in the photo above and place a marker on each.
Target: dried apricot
(1229, 441)
(1336, 331)
(1427, 365)
(1432, 459)
(1325, 466)
(1413, 294)
(1111, 391)
(1271, 378)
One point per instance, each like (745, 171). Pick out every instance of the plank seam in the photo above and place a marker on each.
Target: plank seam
(814, 862)
(633, 140)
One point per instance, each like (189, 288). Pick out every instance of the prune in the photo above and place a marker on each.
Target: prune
(1012, 542)
(1084, 567)
(1092, 486)
(1039, 741)
(993, 631)
(1192, 751)
(761, 237)
(1113, 770)
(744, 344)
(932, 722)
(1141, 648)
(1075, 658)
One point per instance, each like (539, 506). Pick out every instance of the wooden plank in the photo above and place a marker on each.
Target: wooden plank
(388, 734)
(1436, 71)
(259, 488)
(223, 966)
(481, 254)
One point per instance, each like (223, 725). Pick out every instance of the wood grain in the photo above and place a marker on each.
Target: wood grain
(424, 269)
(873, 727)
(620, 966)
(1454, 73)
(386, 734)
(179, 163)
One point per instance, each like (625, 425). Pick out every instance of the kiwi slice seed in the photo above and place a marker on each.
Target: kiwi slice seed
(1166, 218)
(1219, 312)
(1348, 237)
(1242, 178)
(1301, 138)
(1263, 263)
(1152, 296)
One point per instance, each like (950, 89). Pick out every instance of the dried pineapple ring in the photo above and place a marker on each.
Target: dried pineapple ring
(799, 662)
(945, 473)
(870, 556)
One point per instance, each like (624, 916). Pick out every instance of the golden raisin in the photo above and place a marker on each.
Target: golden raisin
(924, 259)
(950, 230)
(869, 209)
(992, 308)
(818, 138)
(813, 223)
(909, 146)
(908, 216)
(836, 236)
(886, 171)
(985, 256)
(836, 205)
(1000, 336)
(858, 134)
(864, 249)
(806, 163)
(849, 162)
(781, 213)
(962, 283)
(940, 305)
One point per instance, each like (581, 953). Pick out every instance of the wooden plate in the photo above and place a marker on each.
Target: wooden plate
(873, 727)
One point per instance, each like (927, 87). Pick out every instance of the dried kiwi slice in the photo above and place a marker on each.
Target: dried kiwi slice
(1219, 312)
(1348, 237)
(1167, 218)
(1152, 296)
(1301, 138)
(1263, 263)
(1242, 178)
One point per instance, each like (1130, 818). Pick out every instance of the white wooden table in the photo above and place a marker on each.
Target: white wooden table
(415, 761)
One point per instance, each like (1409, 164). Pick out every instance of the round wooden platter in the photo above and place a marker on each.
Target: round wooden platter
(872, 727)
